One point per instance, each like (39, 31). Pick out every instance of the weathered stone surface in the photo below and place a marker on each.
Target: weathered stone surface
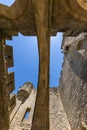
(6, 82)
(41, 111)
(73, 83)
(17, 116)
(10, 82)
(43, 19)
(66, 16)
(25, 91)
(12, 103)
(4, 97)
(57, 116)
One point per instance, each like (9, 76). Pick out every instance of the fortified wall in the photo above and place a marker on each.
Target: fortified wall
(73, 82)
(44, 18)
(25, 104)
(68, 102)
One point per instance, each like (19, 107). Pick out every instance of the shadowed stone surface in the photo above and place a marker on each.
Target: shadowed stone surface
(73, 83)
(20, 17)
(6, 60)
(44, 18)
(41, 111)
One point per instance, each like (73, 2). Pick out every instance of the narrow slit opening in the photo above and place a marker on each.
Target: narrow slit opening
(27, 114)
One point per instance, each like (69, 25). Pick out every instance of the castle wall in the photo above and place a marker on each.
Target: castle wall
(57, 116)
(73, 83)
(18, 122)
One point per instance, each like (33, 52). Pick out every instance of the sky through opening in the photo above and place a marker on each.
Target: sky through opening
(7, 2)
(26, 60)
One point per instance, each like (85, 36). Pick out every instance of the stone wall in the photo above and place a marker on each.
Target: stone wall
(18, 122)
(57, 116)
(73, 82)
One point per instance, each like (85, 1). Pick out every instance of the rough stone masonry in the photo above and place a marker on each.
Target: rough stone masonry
(73, 82)
(44, 18)
(25, 101)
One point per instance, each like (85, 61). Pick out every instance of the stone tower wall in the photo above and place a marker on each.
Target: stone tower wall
(57, 116)
(19, 122)
(73, 82)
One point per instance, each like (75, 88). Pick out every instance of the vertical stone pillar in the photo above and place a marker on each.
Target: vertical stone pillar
(41, 112)
(4, 115)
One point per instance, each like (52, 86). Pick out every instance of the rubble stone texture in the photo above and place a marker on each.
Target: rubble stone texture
(57, 116)
(7, 100)
(73, 82)
(17, 120)
(44, 18)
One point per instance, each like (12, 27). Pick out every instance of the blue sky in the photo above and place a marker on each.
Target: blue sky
(56, 59)
(26, 59)
(7, 2)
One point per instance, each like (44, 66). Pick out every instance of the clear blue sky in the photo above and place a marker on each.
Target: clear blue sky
(26, 59)
(7, 2)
